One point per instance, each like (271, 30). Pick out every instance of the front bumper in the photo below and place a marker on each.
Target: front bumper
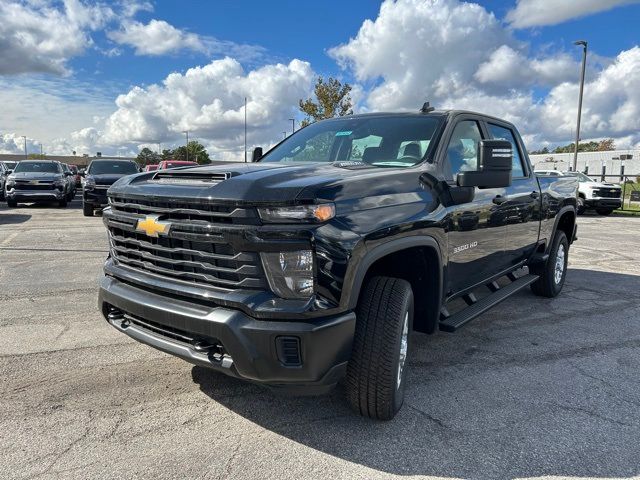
(96, 197)
(603, 202)
(34, 195)
(250, 346)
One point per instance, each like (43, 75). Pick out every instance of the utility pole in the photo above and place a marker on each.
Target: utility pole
(187, 146)
(284, 135)
(293, 125)
(41, 154)
(584, 62)
(159, 148)
(24, 137)
(245, 129)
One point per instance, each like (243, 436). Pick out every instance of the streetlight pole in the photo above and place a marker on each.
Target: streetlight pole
(24, 137)
(187, 145)
(293, 125)
(284, 135)
(245, 129)
(584, 63)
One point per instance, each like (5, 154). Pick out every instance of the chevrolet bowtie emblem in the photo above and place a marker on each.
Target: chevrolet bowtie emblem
(152, 227)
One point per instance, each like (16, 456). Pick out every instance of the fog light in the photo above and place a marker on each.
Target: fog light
(290, 274)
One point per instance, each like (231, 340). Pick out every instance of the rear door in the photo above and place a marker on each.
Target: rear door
(521, 211)
(476, 234)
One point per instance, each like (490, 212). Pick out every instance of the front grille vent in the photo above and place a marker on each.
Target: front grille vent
(288, 349)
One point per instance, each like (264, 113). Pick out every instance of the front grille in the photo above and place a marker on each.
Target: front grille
(27, 185)
(194, 250)
(607, 193)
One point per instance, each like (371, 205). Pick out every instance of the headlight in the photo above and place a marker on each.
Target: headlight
(290, 274)
(11, 182)
(60, 182)
(302, 213)
(89, 182)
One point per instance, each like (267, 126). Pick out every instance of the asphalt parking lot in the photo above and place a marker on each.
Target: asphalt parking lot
(533, 388)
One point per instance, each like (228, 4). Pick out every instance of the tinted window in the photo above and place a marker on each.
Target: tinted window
(502, 133)
(112, 167)
(43, 167)
(378, 141)
(462, 151)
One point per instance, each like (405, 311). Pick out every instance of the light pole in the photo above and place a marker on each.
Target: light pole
(584, 63)
(24, 137)
(293, 125)
(245, 129)
(284, 135)
(186, 148)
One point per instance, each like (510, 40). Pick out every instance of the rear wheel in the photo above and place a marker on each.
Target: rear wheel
(604, 211)
(377, 371)
(87, 210)
(554, 271)
(12, 203)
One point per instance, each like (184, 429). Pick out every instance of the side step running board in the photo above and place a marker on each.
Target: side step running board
(454, 322)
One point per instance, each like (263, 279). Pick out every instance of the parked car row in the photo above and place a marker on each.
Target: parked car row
(40, 181)
(603, 197)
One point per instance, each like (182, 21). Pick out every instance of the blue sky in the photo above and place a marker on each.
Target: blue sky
(64, 63)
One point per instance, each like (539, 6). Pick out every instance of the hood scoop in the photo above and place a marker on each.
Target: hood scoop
(190, 178)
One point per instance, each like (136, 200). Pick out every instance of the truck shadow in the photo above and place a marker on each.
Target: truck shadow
(534, 387)
(13, 218)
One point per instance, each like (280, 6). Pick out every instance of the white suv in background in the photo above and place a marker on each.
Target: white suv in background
(603, 197)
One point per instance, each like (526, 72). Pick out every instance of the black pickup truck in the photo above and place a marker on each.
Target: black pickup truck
(318, 261)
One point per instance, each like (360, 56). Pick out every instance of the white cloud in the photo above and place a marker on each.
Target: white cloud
(209, 102)
(41, 36)
(535, 13)
(160, 38)
(457, 55)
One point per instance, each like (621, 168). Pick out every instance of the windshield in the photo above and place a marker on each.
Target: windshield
(40, 167)
(10, 165)
(393, 141)
(112, 167)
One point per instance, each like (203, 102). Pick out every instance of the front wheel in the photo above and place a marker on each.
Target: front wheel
(12, 203)
(604, 211)
(554, 271)
(62, 203)
(581, 208)
(376, 372)
(87, 210)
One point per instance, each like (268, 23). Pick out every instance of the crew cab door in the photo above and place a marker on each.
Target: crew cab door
(521, 210)
(476, 232)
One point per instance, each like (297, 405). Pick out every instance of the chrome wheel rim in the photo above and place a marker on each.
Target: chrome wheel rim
(404, 345)
(559, 267)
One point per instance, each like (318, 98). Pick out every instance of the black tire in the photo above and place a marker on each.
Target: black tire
(604, 211)
(548, 285)
(63, 203)
(12, 203)
(581, 208)
(87, 210)
(376, 376)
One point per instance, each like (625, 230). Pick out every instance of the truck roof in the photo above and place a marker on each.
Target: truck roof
(435, 113)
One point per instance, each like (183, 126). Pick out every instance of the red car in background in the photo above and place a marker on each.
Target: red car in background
(76, 175)
(165, 164)
(150, 168)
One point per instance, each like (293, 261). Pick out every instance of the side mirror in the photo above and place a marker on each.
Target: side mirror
(81, 172)
(68, 174)
(494, 166)
(8, 172)
(257, 154)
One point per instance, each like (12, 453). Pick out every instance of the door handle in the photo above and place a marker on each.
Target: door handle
(534, 194)
(499, 199)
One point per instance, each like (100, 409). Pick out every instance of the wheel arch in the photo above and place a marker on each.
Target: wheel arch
(418, 260)
(565, 222)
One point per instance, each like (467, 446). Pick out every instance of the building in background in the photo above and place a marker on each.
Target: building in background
(592, 163)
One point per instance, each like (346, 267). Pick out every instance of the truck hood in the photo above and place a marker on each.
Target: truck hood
(599, 185)
(107, 179)
(255, 183)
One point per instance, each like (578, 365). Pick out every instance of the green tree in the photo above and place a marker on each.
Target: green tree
(592, 146)
(197, 153)
(167, 154)
(539, 152)
(36, 156)
(147, 157)
(332, 99)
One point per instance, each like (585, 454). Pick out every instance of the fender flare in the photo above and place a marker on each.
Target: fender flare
(387, 248)
(559, 215)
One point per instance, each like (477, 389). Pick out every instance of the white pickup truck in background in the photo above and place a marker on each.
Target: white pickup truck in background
(601, 196)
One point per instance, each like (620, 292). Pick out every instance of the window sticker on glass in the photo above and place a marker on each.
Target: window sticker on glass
(344, 133)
